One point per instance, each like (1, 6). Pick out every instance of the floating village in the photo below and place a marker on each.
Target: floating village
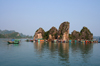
(61, 35)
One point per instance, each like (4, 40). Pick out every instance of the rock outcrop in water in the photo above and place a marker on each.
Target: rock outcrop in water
(75, 35)
(39, 34)
(86, 34)
(63, 32)
(53, 33)
(83, 34)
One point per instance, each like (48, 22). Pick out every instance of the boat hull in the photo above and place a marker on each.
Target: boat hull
(11, 42)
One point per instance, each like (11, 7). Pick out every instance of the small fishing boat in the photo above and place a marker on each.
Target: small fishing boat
(10, 42)
(82, 41)
(27, 40)
(31, 40)
(16, 41)
(63, 41)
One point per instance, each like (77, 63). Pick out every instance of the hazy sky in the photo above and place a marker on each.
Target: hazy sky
(26, 16)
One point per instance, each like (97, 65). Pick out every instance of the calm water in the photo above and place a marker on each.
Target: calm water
(49, 54)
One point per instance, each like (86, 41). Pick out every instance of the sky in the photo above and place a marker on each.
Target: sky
(26, 16)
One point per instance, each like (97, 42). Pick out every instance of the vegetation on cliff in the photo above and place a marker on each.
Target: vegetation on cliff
(64, 27)
(41, 30)
(63, 33)
(39, 33)
(83, 34)
(53, 32)
(86, 34)
(75, 35)
(46, 35)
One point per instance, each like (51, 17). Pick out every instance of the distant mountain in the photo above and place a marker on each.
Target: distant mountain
(2, 36)
(25, 36)
(12, 34)
(22, 35)
(6, 31)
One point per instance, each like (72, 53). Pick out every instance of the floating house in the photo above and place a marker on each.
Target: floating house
(39, 40)
(70, 41)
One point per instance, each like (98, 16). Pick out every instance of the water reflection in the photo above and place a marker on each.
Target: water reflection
(86, 51)
(13, 45)
(52, 47)
(66, 51)
(52, 54)
(38, 46)
(82, 51)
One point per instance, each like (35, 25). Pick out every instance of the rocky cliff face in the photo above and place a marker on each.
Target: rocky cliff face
(86, 34)
(63, 32)
(53, 33)
(39, 33)
(75, 35)
(83, 34)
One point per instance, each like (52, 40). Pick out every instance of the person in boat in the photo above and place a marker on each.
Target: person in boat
(12, 39)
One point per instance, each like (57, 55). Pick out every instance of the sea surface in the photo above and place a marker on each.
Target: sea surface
(49, 54)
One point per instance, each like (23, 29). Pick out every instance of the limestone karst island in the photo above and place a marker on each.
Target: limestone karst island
(62, 34)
